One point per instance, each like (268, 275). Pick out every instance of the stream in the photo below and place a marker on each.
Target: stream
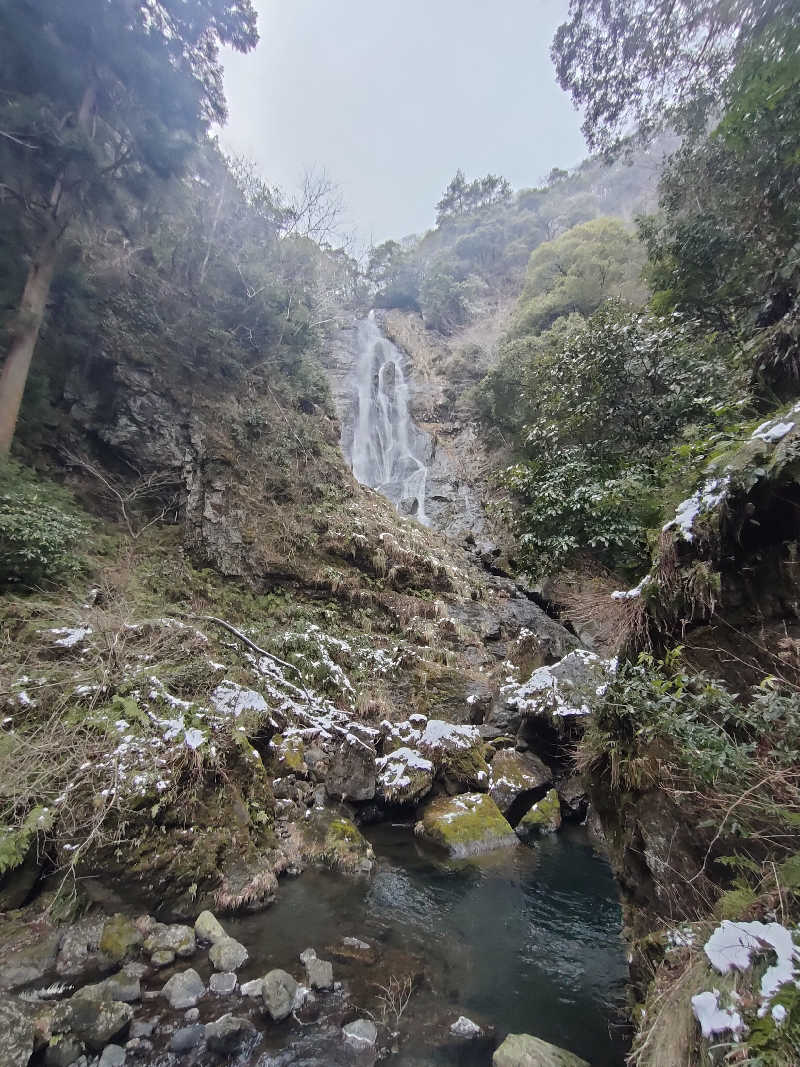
(525, 940)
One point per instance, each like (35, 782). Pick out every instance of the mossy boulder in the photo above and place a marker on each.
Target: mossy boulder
(332, 839)
(457, 751)
(465, 825)
(120, 938)
(515, 773)
(289, 755)
(404, 776)
(544, 817)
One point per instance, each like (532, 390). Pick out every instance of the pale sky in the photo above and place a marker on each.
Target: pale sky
(391, 98)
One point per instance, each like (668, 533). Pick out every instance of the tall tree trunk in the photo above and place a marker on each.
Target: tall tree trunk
(25, 334)
(30, 316)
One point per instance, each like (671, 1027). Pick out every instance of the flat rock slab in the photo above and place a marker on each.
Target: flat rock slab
(523, 1050)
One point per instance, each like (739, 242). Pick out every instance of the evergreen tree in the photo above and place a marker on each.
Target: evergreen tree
(98, 97)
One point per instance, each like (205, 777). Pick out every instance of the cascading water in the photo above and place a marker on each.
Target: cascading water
(388, 448)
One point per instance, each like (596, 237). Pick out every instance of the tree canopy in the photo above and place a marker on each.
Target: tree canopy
(635, 66)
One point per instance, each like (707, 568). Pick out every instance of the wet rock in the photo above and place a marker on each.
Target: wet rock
(188, 1037)
(360, 1034)
(306, 1004)
(120, 938)
(572, 792)
(278, 990)
(456, 751)
(162, 958)
(184, 989)
(223, 983)
(80, 945)
(29, 954)
(515, 773)
(404, 776)
(121, 987)
(175, 938)
(227, 954)
(229, 1033)
(139, 1048)
(208, 928)
(63, 1050)
(191, 1015)
(352, 773)
(16, 1034)
(318, 972)
(465, 1028)
(112, 1056)
(465, 825)
(95, 1022)
(253, 989)
(544, 817)
(142, 1028)
(522, 1050)
(353, 948)
(332, 838)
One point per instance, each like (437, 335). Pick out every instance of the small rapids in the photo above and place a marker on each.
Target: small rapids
(388, 449)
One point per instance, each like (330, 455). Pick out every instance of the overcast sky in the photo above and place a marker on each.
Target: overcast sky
(390, 98)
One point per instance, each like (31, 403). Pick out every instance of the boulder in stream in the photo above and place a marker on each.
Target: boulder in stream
(466, 825)
(227, 954)
(522, 1050)
(318, 972)
(184, 989)
(514, 773)
(208, 928)
(544, 817)
(229, 1033)
(278, 989)
(360, 1034)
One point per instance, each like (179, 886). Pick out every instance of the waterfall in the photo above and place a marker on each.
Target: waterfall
(387, 446)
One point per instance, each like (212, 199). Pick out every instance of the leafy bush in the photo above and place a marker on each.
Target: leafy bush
(39, 530)
(656, 721)
(570, 506)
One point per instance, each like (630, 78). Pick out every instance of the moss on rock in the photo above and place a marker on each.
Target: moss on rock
(465, 825)
(120, 938)
(332, 839)
(543, 818)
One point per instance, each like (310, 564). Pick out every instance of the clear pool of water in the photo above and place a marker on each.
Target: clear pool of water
(523, 940)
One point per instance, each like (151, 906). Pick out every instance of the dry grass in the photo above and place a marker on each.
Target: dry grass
(619, 623)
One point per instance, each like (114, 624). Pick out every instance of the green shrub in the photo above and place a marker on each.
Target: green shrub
(39, 530)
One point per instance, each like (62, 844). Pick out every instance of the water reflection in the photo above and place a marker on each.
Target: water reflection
(526, 940)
